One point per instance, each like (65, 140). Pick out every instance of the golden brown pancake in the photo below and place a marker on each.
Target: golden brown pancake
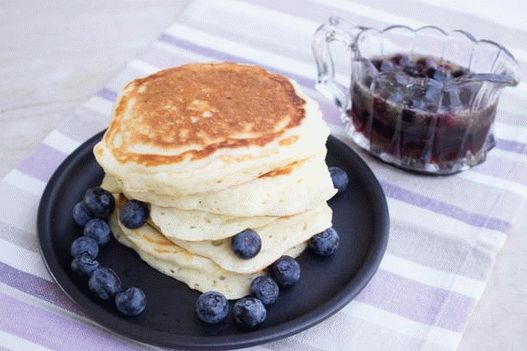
(201, 108)
(206, 127)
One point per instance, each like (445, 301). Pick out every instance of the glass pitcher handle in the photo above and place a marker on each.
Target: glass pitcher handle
(335, 30)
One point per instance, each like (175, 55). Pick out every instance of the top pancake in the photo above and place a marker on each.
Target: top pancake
(197, 109)
(217, 119)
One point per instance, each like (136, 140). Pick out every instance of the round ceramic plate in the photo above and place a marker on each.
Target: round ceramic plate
(360, 215)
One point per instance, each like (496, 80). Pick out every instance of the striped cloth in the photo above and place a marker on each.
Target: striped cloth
(445, 231)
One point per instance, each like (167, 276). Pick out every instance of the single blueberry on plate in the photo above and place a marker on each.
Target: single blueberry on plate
(249, 312)
(265, 289)
(84, 245)
(100, 202)
(84, 264)
(81, 214)
(104, 282)
(246, 244)
(131, 302)
(212, 307)
(325, 243)
(339, 177)
(98, 230)
(285, 271)
(134, 214)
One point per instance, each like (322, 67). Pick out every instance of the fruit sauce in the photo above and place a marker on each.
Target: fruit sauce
(407, 113)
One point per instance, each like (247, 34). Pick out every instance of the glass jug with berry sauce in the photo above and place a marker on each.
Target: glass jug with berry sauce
(422, 100)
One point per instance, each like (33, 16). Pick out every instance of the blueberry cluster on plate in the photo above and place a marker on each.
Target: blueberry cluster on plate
(212, 307)
(92, 214)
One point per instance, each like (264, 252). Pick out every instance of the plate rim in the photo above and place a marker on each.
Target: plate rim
(368, 267)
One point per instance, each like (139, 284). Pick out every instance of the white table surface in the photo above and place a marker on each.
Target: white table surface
(55, 54)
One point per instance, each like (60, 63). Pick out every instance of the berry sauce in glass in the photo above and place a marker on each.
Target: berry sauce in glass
(407, 113)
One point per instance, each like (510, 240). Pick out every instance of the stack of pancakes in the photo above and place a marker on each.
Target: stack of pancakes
(215, 149)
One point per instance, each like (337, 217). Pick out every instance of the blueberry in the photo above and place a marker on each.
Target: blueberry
(401, 60)
(131, 302)
(84, 264)
(417, 103)
(339, 177)
(414, 71)
(430, 72)
(408, 115)
(285, 271)
(100, 202)
(433, 93)
(440, 74)
(81, 214)
(426, 62)
(104, 282)
(384, 85)
(134, 214)
(377, 63)
(249, 312)
(387, 66)
(246, 244)
(396, 96)
(325, 243)
(452, 99)
(212, 307)
(458, 73)
(98, 230)
(265, 289)
(84, 245)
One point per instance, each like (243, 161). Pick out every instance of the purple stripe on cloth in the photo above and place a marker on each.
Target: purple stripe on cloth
(54, 331)
(452, 211)
(220, 55)
(503, 168)
(35, 286)
(107, 94)
(416, 301)
(512, 146)
(42, 162)
(330, 113)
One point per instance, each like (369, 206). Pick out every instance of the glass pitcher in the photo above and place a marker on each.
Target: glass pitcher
(423, 100)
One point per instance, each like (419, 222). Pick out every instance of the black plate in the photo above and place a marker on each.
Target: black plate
(328, 284)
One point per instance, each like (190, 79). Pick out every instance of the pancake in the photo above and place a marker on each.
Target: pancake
(277, 238)
(294, 189)
(197, 272)
(198, 225)
(206, 127)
